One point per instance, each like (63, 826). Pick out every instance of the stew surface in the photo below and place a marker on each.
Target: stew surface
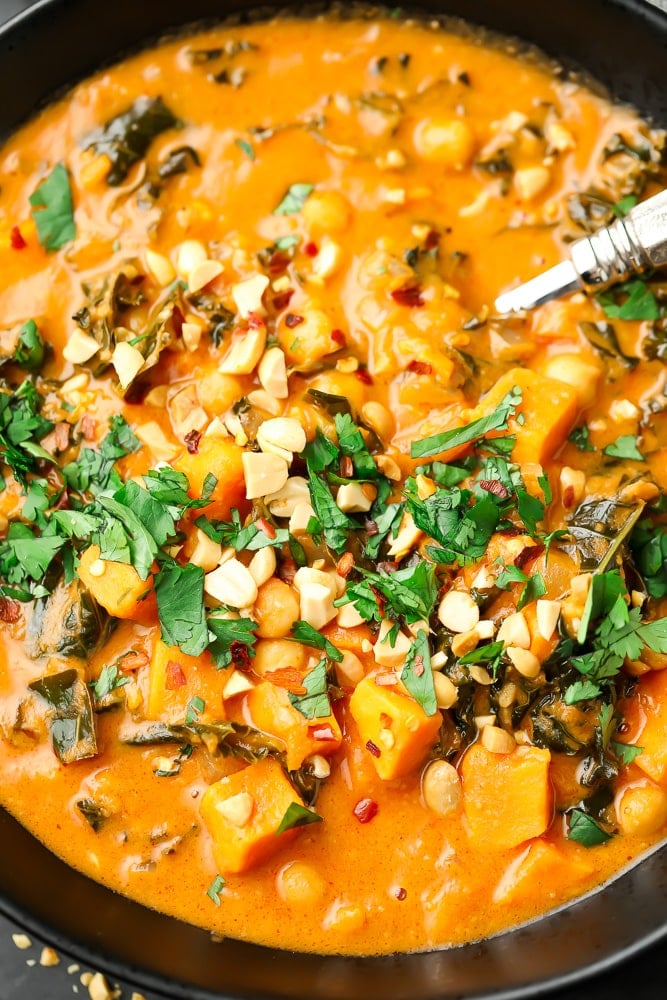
(331, 601)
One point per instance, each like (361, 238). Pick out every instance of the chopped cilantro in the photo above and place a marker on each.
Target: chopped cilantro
(624, 205)
(625, 446)
(417, 674)
(534, 589)
(247, 148)
(584, 829)
(409, 593)
(215, 888)
(294, 200)
(469, 432)
(335, 525)
(180, 605)
(228, 634)
(52, 209)
(194, 709)
(31, 349)
(297, 815)
(638, 301)
(581, 438)
(110, 679)
(626, 752)
(309, 636)
(490, 654)
(314, 704)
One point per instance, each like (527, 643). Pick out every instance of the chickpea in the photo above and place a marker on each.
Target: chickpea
(641, 809)
(583, 376)
(304, 345)
(276, 609)
(342, 384)
(299, 883)
(441, 788)
(274, 654)
(326, 212)
(346, 918)
(217, 392)
(447, 141)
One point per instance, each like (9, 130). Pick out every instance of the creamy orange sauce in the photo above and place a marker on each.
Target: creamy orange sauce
(409, 878)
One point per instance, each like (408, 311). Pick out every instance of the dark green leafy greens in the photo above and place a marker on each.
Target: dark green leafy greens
(53, 211)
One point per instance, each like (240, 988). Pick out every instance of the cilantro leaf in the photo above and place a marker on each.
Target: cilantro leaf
(534, 589)
(336, 525)
(215, 888)
(626, 752)
(531, 510)
(142, 546)
(625, 446)
(491, 654)
(639, 302)
(31, 349)
(580, 437)
(603, 591)
(52, 209)
(297, 815)
(156, 518)
(193, 710)
(314, 704)
(294, 200)
(180, 605)
(352, 444)
(581, 691)
(469, 432)
(584, 830)
(624, 205)
(23, 556)
(110, 679)
(247, 148)
(226, 634)
(320, 453)
(417, 674)
(409, 593)
(309, 636)
(386, 525)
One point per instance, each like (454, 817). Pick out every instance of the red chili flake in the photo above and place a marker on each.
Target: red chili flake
(311, 249)
(292, 320)
(364, 376)
(338, 337)
(133, 661)
(371, 527)
(345, 564)
(528, 554)
(365, 810)
(494, 486)
(432, 239)
(401, 894)
(287, 570)
(373, 748)
(61, 436)
(346, 467)
(321, 732)
(418, 666)
(278, 263)
(511, 532)
(255, 321)
(409, 295)
(568, 497)
(192, 439)
(420, 367)
(16, 239)
(387, 566)
(265, 527)
(174, 676)
(240, 655)
(283, 299)
(10, 611)
(177, 320)
(287, 677)
(88, 427)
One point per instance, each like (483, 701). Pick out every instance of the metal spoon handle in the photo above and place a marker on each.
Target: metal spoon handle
(628, 246)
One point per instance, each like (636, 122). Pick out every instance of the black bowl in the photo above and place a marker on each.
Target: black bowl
(622, 44)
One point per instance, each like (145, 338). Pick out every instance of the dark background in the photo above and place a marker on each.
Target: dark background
(22, 977)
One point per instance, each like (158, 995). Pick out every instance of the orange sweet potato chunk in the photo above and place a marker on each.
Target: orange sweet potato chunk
(175, 678)
(506, 797)
(646, 716)
(118, 588)
(537, 872)
(220, 457)
(243, 812)
(549, 407)
(272, 712)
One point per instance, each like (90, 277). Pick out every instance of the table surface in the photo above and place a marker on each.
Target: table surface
(23, 978)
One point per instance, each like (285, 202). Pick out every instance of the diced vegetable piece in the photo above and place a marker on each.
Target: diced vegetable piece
(550, 411)
(118, 587)
(540, 646)
(506, 797)
(536, 871)
(272, 712)
(67, 623)
(395, 724)
(645, 715)
(219, 457)
(178, 681)
(243, 812)
(70, 715)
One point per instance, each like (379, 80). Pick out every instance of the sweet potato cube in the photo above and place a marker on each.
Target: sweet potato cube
(646, 716)
(220, 457)
(242, 813)
(537, 872)
(175, 679)
(548, 406)
(272, 712)
(506, 797)
(395, 724)
(118, 587)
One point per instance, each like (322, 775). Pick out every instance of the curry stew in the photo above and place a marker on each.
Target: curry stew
(331, 600)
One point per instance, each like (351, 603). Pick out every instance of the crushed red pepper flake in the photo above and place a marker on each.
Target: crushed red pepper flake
(288, 678)
(373, 748)
(495, 487)
(265, 527)
(310, 249)
(365, 810)
(364, 375)
(174, 676)
(420, 367)
(192, 439)
(16, 239)
(10, 611)
(401, 894)
(408, 295)
(283, 299)
(528, 554)
(292, 320)
(338, 337)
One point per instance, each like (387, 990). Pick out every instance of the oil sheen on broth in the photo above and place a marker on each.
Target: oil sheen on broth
(331, 601)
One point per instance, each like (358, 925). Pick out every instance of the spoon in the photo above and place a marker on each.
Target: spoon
(629, 246)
